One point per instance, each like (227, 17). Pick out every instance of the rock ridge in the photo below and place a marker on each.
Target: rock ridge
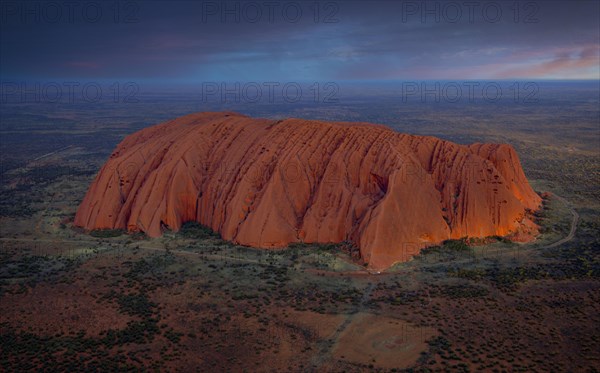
(267, 183)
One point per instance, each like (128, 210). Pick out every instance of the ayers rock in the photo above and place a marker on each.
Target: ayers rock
(267, 183)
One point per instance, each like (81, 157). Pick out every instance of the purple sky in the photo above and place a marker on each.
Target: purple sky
(345, 40)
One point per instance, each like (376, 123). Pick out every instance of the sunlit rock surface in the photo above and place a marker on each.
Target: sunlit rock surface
(267, 183)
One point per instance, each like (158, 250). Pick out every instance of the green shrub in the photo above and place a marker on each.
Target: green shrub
(192, 229)
(136, 304)
(105, 233)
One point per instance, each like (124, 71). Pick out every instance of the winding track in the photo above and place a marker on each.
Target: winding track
(325, 346)
(567, 238)
(574, 222)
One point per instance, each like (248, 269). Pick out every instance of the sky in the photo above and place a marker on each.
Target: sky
(190, 42)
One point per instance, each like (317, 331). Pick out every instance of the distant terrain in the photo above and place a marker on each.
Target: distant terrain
(106, 300)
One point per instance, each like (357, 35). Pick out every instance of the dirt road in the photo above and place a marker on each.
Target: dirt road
(574, 222)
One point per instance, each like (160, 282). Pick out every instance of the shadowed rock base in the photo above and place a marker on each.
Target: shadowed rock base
(266, 183)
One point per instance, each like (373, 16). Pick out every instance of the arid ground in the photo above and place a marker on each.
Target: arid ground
(106, 300)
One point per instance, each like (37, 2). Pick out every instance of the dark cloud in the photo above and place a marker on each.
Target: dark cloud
(349, 40)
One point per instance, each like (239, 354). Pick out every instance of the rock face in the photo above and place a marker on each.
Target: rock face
(267, 183)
